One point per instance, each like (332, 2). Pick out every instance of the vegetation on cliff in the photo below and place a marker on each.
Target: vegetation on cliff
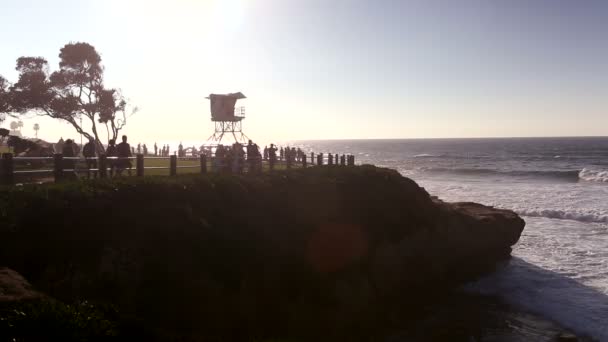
(327, 251)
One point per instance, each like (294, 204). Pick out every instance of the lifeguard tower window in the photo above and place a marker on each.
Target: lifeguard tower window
(223, 107)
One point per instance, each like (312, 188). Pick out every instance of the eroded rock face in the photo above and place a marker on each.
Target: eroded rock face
(464, 241)
(14, 288)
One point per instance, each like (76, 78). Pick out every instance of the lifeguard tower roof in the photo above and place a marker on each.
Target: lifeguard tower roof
(223, 106)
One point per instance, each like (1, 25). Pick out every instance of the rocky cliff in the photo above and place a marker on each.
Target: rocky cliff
(323, 251)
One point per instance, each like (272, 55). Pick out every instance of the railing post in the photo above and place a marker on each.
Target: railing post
(8, 168)
(103, 166)
(312, 158)
(173, 165)
(139, 165)
(203, 163)
(58, 167)
(343, 160)
(320, 159)
(336, 159)
(304, 161)
(330, 159)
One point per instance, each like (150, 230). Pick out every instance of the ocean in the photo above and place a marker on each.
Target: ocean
(558, 185)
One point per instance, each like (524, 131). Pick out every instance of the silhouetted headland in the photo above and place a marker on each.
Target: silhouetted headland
(320, 253)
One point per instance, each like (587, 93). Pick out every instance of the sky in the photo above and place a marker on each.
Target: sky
(340, 69)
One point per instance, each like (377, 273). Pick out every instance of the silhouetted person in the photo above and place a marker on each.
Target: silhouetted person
(180, 150)
(139, 148)
(238, 158)
(155, 150)
(251, 156)
(265, 152)
(89, 151)
(124, 151)
(286, 153)
(281, 154)
(272, 156)
(59, 146)
(145, 148)
(218, 161)
(69, 151)
(111, 154)
(257, 166)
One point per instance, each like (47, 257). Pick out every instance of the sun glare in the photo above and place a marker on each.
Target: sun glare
(227, 16)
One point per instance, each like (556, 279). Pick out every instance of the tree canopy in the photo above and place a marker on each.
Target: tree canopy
(75, 93)
(4, 98)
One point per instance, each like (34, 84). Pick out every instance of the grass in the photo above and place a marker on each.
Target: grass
(185, 166)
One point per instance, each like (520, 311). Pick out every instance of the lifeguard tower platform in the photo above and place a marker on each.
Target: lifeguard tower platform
(227, 117)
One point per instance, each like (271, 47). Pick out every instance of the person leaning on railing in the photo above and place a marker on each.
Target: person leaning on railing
(90, 152)
(111, 153)
(272, 156)
(69, 163)
(124, 153)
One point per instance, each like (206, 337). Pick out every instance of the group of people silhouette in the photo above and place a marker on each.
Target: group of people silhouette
(118, 156)
(288, 154)
(229, 159)
(232, 158)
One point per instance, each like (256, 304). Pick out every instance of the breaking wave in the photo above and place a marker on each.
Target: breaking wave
(587, 217)
(426, 155)
(569, 175)
(594, 175)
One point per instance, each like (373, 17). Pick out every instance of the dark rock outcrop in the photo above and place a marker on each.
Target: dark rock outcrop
(14, 288)
(319, 251)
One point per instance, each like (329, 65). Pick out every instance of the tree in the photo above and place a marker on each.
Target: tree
(74, 92)
(36, 128)
(3, 134)
(14, 125)
(4, 98)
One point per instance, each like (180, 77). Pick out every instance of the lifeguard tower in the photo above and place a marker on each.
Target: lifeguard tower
(228, 118)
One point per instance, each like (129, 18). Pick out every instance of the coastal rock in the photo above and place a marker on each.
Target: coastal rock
(465, 241)
(14, 288)
(320, 251)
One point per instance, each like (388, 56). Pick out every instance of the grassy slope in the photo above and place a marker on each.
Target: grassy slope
(192, 164)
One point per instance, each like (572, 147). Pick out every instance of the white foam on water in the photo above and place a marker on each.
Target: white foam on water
(575, 306)
(559, 186)
(426, 155)
(582, 216)
(594, 175)
(561, 265)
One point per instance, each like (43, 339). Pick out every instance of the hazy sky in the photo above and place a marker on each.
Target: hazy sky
(334, 69)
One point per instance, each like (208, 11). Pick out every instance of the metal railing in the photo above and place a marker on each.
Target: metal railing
(103, 166)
